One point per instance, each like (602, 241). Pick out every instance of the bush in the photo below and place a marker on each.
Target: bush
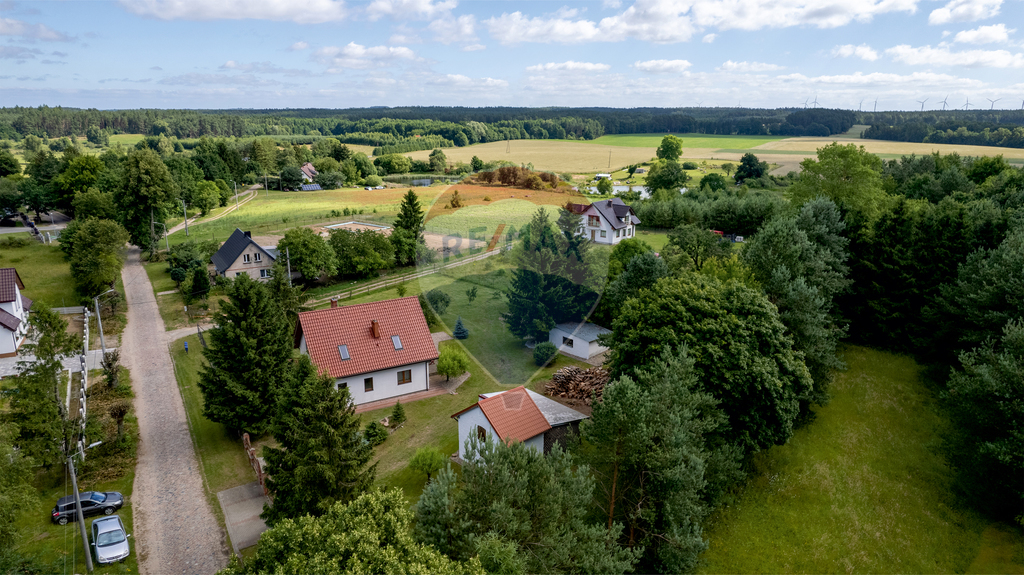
(375, 433)
(14, 242)
(427, 460)
(438, 300)
(452, 362)
(373, 181)
(690, 165)
(543, 353)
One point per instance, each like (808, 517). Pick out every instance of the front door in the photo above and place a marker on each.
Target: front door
(591, 235)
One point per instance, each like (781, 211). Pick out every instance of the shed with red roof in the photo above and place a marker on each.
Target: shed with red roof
(377, 350)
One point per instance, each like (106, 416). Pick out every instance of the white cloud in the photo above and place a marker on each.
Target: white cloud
(864, 52)
(357, 56)
(570, 65)
(262, 68)
(611, 4)
(298, 46)
(451, 29)
(405, 35)
(467, 82)
(17, 28)
(662, 66)
(996, 33)
(730, 66)
(943, 56)
(409, 8)
(196, 79)
(299, 11)
(709, 38)
(473, 47)
(883, 80)
(666, 21)
(965, 11)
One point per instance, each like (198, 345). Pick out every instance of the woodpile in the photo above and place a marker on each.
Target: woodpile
(577, 384)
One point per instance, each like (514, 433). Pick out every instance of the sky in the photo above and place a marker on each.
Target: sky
(852, 54)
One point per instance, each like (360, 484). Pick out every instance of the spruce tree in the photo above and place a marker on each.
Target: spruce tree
(398, 415)
(323, 457)
(248, 355)
(408, 232)
(460, 331)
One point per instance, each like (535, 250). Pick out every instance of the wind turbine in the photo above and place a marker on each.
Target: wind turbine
(993, 102)
(875, 109)
(944, 102)
(815, 101)
(968, 103)
(699, 102)
(922, 103)
(805, 103)
(860, 105)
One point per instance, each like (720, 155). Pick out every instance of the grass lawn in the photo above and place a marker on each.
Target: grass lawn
(656, 239)
(171, 306)
(42, 267)
(861, 489)
(480, 222)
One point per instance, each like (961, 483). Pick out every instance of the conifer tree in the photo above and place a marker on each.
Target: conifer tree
(398, 414)
(248, 355)
(460, 331)
(323, 457)
(409, 228)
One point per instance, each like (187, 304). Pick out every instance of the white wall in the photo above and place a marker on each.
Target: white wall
(9, 341)
(596, 348)
(579, 347)
(385, 383)
(468, 423)
(253, 267)
(604, 226)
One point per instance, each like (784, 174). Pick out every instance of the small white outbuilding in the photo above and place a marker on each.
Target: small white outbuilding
(578, 339)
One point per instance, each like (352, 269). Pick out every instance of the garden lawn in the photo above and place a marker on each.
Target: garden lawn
(42, 268)
(656, 239)
(860, 489)
(172, 307)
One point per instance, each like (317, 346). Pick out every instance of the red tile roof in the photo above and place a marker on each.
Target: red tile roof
(8, 279)
(351, 326)
(513, 415)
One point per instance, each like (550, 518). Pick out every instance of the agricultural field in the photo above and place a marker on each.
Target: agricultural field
(550, 155)
(701, 141)
(481, 221)
(862, 489)
(887, 149)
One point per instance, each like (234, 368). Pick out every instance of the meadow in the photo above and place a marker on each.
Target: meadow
(481, 221)
(703, 141)
(42, 268)
(861, 488)
(553, 155)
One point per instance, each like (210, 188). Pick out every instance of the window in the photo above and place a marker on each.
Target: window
(567, 341)
(264, 273)
(343, 352)
(245, 258)
(405, 376)
(617, 233)
(257, 257)
(594, 221)
(481, 433)
(342, 385)
(604, 234)
(397, 341)
(368, 384)
(238, 274)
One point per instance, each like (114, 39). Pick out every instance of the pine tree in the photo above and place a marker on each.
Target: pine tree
(460, 331)
(248, 355)
(398, 415)
(409, 226)
(323, 457)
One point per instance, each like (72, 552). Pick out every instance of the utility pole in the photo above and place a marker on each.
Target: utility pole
(288, 258)
(99, 320)
(78, 512)
(185, 211)
(236, 194)
(265, 185)
(152, 232)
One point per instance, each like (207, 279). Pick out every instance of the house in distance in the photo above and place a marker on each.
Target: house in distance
(517, 415)
(241, 255)
(606, 221)
(377, 350)
(13, 312)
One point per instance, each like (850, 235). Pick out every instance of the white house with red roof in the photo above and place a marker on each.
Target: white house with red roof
(606, 221)
(517, 415)
(13, 312)
(377, 350)
(308, 172)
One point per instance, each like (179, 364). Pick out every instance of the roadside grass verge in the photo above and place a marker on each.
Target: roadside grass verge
(172, 307)
(860, 489)
(108, 467)
(42, 267)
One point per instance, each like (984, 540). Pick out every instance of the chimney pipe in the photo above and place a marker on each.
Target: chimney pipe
(376, 328)
(334, 302)
(248, 235)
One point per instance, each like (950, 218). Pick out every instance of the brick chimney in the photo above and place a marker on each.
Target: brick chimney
(334, 302)
(376, 328)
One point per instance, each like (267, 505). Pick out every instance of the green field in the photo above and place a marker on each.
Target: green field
(42, 268)
(861, 489)
(480, 222)
(689, 140)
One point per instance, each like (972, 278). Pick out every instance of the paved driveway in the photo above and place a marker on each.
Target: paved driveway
(175, 529)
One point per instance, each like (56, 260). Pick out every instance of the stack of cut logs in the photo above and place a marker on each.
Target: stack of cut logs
(577, 384)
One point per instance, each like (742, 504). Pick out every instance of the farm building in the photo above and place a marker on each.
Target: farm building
(377, 350)
(602, 177)
(308, 172)
(13, 312)
(606, 221)
(517, 415)
(241, 255)
(578, 339)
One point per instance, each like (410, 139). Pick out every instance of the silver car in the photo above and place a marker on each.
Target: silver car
(109, 539)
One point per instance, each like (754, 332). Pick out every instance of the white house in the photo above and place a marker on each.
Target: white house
(517, 415)
(606, 221)
(578, 339)
(13, 312)
(308, 172)
(241, 255)
(377, 350)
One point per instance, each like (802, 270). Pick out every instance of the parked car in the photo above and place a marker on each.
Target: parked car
(109, 540)
(93, 503)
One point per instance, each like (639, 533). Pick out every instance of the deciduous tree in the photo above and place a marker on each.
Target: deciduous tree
(148, 188)
(310, 254)
(670, 149)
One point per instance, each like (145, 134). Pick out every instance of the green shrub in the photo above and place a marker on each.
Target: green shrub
(690, 165)
(375, 433)
(543, 353)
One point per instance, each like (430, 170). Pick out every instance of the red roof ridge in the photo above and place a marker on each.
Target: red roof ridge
(514, 415)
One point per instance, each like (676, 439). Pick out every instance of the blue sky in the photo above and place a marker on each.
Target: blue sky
(621, 53)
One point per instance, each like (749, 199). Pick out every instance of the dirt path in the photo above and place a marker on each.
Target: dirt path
(252, 191)
(175, 529)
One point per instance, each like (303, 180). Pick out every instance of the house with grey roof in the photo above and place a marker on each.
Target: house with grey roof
(241, 255)
(578, 339)
(606, 221)
(13, 312)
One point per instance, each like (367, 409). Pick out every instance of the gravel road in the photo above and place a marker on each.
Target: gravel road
(175, 530)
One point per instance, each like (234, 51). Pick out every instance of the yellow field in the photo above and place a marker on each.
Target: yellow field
(885, 147)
